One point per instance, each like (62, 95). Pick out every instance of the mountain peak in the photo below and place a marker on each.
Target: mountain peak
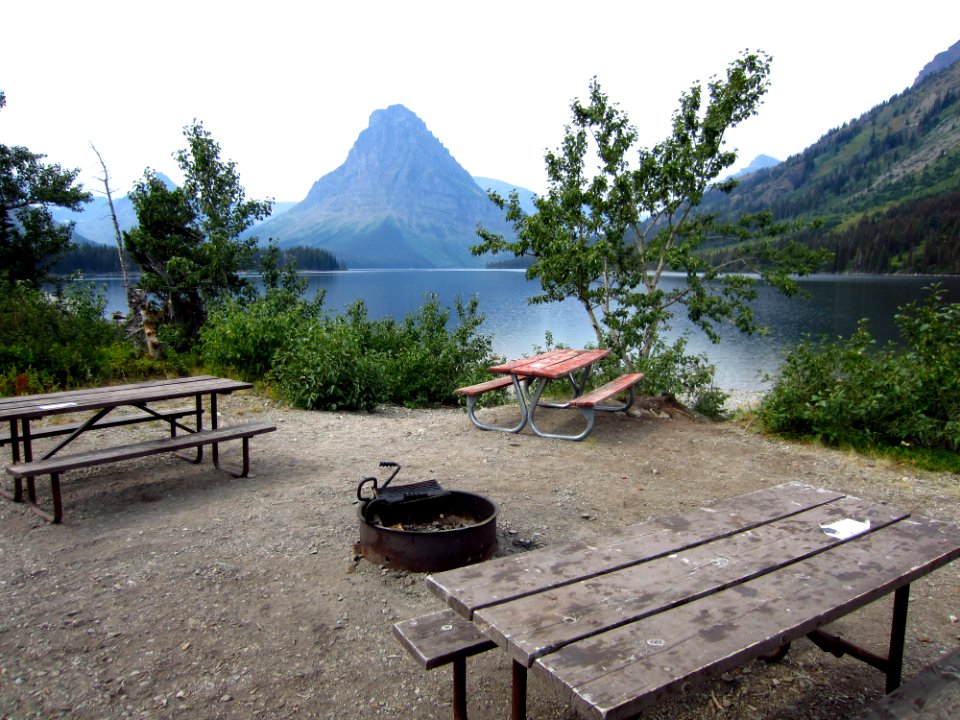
(395, 114)
(940, 62)
(400, 199)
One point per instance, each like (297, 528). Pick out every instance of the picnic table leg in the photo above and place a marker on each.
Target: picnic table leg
(521, 400)
(534, 402)
(197, 456)
(898, 630)
(891, 665)
(460, 688)
(519, 692)
(17, 495)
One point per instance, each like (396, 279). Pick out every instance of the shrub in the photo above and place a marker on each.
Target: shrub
(670, 372)
(241, 338)
(429, 360)
(325, 367)
(53, 340)
(847, 391)
(352, 362)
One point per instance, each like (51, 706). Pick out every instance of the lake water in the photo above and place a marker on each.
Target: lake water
(835, 305)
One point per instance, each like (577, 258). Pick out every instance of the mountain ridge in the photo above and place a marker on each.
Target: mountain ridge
(864, 178)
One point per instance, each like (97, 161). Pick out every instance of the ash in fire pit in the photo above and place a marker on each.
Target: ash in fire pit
(423, 527)
(443, 522)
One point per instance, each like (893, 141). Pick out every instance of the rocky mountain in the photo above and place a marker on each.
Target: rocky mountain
(886, 185)
(504, 190)
(941, 61)
(93, 224)
(399, 200)
(758, 163)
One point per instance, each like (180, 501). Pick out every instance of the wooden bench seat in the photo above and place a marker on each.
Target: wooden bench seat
(441, 638)
(57, 464)
(607, 391)
(110, 421)
(934, 694)
(473, 392)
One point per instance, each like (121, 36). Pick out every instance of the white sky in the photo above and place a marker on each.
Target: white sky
(285, 87)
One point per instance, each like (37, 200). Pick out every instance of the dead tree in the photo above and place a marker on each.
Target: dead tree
(140, 318)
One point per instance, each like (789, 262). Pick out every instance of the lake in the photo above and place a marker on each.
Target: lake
(835, 305)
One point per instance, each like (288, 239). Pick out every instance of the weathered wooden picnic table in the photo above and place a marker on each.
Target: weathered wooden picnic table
(530, 377)
(617, 622)
(113, 406)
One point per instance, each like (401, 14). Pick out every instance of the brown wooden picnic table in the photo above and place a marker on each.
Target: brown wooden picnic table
(112, 406)
(617, 622)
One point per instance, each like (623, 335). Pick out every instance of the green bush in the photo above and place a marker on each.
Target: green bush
(325, 367)
(429, 360)
(849, 392)
(55, 340)
(670, 372)
(353, 363)
(241, 338)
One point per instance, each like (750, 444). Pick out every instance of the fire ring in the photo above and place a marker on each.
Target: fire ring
(423, 528)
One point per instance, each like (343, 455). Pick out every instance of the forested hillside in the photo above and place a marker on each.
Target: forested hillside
(885, 185)
(94, 259)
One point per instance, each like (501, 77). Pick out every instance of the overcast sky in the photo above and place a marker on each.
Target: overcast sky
(286, 87)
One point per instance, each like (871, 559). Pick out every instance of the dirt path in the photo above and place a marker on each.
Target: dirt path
(173, 591)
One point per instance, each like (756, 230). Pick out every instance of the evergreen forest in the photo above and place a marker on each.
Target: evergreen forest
(91, 259)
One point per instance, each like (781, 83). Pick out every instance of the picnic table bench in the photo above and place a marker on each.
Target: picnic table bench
(615, 623)
(933, 694)
(22, 410)
(442, 638)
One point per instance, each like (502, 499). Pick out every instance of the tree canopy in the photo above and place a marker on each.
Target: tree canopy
(30, 240)
(187, 242)
(616, 217)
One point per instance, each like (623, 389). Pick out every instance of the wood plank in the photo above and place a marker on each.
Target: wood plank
(121, 395)
(563, 366)
(40, 398)
(619, 673)
(934, 694)
(439, 638)
(547, 358)
(539, 624)
(473, 587)
(108, 421)
(598, 395)
(481, 388)
(63, 463)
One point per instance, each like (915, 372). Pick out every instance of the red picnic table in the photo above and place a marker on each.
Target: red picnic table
(530, 377)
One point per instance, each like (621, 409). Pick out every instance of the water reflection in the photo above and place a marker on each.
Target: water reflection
(835, 305)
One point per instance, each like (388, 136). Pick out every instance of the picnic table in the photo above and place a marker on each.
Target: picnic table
(113, 406)
(530, 377)
(617, 622)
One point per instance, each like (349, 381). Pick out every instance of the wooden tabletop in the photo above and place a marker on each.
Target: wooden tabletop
(34, 406)
(616, 622)
(551, 364)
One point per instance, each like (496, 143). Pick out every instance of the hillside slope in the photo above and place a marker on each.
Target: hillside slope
(873, 181)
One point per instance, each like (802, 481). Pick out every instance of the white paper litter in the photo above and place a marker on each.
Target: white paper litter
(57, 406)
(846, 528)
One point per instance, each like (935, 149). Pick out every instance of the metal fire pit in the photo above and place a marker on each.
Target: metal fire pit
(422, 527)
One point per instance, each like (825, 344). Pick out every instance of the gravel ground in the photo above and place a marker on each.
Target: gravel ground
(174, 591)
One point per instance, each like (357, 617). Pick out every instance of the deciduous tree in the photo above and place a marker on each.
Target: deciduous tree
(616, 217)
(30, 240)
(187, 241)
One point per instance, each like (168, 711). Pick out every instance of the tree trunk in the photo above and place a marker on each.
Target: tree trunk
(139, 316)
